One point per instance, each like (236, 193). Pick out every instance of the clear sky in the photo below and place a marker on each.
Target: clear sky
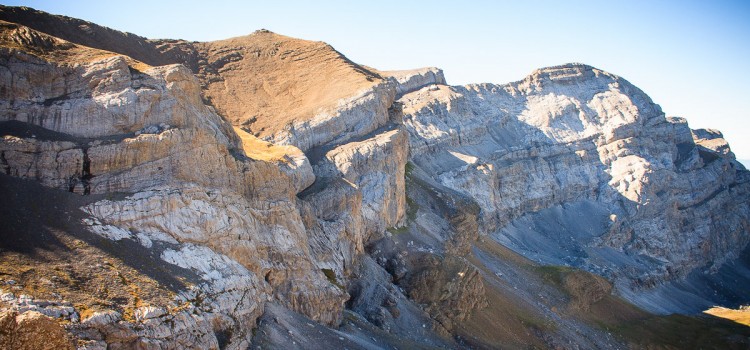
(691, 57)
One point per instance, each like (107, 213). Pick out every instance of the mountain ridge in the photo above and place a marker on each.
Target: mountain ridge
(399, 212)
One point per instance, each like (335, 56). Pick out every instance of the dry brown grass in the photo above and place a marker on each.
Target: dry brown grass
(258, 149)
(82, 274)
(265, 81)
(17, 37)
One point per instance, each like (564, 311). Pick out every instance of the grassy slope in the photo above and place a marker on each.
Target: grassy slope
(511, 322)
(741, 316)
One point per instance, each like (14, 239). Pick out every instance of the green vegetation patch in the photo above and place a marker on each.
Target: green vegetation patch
(554, 275)
(331, 276)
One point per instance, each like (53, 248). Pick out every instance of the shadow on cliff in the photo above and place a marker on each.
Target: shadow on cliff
(45, 226)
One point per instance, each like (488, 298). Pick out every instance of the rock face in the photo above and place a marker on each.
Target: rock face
(233, 217)
(179, 152)
(290, 185)
(572, 135)
(452, 288)
(413, 80)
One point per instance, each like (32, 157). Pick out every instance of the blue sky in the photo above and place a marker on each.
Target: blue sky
(691, 57)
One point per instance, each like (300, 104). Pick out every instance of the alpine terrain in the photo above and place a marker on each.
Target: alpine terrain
(265, 192)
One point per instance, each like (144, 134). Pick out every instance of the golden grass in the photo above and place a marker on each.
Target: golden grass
(741, 316)
(71, 272)
(258, 149)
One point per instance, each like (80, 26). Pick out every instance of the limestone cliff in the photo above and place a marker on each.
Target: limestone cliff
(576, 166)
(178, 160)
(196, 197)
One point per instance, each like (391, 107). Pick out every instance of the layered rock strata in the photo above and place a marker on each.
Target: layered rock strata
(576, 134)
(148, 133)
(207, 197)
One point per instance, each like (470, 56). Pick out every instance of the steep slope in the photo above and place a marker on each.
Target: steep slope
(91, 122)
(294, 84)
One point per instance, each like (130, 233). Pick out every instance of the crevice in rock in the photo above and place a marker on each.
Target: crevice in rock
(223, 337)
(72, 182)
(4, 163)
(86, 172)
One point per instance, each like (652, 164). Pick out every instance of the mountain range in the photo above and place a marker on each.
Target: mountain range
(267, 192)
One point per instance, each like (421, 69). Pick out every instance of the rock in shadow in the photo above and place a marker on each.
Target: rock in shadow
(43, 224)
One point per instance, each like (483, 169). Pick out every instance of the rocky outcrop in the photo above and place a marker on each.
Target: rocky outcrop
(415, 79)
(585, 289)
(358, 194)
(353, 117)
(451, 288)
(31, 330)
(376, 165)
(376, 299)
(54, 164)
(98, 99)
